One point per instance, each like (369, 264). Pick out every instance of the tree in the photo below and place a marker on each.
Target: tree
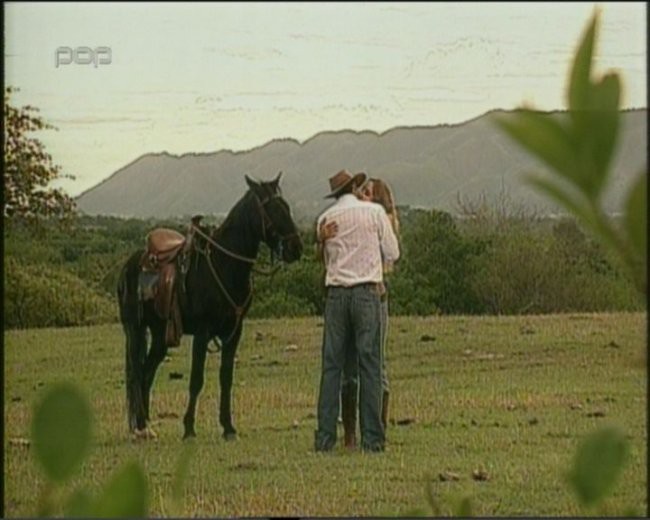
(432, 275)
(29, 169)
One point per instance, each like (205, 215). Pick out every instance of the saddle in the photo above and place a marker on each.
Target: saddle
(163, 246)
(159, 266)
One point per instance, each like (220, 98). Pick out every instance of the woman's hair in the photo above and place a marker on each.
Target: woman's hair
(382, 194)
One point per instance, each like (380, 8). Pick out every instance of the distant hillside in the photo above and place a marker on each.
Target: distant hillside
(427, 167)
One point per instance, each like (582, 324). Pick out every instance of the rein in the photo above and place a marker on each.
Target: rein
(213, 242)
(265, 220)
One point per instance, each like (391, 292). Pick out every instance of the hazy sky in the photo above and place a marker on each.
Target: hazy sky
(201, 77)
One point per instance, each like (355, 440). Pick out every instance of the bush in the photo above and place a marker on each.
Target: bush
(44, 296)
(490, 262)
(436, 261)
(529, 269)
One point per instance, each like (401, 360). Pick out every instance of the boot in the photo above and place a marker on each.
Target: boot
(384, 410)
(349, 415)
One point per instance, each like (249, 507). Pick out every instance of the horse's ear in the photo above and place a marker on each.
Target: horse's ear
(275, 183)
(251, 183)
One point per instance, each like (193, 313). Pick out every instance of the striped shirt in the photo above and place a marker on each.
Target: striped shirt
(365, 238)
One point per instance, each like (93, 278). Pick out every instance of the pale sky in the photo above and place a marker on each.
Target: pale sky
(202, 77)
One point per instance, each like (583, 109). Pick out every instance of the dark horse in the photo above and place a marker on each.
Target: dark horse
(217, 295)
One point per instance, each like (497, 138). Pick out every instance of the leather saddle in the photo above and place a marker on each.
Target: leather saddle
(158, 278)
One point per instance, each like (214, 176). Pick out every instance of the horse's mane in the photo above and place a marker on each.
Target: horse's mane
(234, 213)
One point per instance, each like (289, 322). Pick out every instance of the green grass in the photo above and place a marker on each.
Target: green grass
(511, 395)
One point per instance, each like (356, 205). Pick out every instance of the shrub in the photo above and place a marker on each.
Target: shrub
(433, 272)
(532, 270)
(44, 296)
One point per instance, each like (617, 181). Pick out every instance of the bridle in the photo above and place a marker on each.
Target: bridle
(266, 224)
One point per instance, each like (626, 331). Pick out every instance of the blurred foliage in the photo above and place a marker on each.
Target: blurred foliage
(62, 436)
(579, 151)
(598, 462)
(61, 431)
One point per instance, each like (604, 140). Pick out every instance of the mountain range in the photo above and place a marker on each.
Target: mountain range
(427, 166)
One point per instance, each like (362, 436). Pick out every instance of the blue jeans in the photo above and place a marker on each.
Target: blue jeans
(352, 329)
(351, 367)
(384, 336)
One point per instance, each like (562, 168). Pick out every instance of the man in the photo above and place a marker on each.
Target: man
(374, 190)
(354, 276)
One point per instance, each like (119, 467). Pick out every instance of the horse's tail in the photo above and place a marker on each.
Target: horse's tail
(136, 346)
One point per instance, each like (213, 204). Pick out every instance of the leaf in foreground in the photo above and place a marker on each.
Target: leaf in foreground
(598, 463)
(61, 431)
(79, 505)
(636, 221)
(124, 496)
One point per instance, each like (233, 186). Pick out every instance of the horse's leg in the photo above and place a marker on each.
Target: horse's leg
(199, 351)
(136, 349)
(155, 356)
(225, 378)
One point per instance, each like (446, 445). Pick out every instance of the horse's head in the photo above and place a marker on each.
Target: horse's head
(279, 231)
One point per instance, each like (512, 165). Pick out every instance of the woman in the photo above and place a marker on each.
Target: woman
(378, 191)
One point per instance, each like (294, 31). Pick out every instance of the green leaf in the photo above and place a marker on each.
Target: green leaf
(464, 508)
(562, 197)
(583, 211)
(61, 431)
(594, 112)
(544, 137)
(606, 95)
(636, 217)
(598, 463)
(598, 138)
(579, 80)
(124, 496)
(79, 505)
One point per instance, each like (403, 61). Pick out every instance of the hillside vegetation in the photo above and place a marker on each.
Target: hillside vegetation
(493, 261)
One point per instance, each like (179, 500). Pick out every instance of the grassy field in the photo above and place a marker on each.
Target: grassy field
(511, 396)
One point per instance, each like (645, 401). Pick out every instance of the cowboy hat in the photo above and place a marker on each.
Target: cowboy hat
(342, 179)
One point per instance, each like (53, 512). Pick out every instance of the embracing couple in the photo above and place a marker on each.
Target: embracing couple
(357, 241)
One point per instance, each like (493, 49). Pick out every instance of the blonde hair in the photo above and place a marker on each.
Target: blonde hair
(382, 194)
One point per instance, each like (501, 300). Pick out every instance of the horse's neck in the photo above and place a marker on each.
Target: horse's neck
(231, 240)
(238, 235)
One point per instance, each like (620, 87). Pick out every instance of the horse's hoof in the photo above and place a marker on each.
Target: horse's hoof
(230, 436)
(144, 434)
(189, 434)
